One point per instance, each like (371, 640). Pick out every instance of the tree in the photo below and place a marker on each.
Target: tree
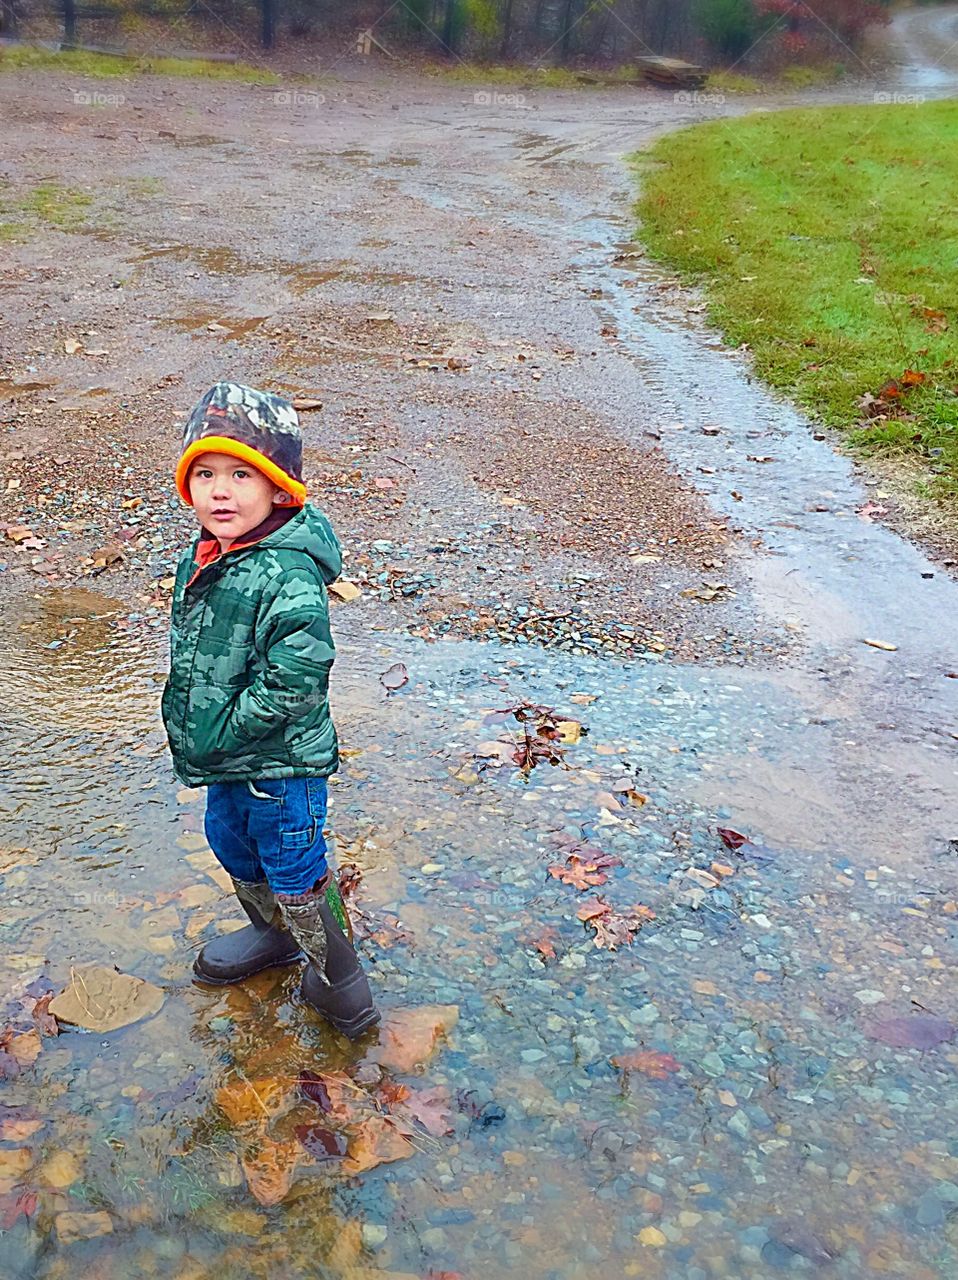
(728, 25)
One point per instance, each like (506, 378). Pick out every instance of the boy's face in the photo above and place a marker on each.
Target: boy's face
(230, 497)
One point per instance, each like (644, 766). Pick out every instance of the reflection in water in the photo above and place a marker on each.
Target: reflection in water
(761, 1124)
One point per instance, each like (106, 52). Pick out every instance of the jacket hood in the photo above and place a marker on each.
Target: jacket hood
(309, 531)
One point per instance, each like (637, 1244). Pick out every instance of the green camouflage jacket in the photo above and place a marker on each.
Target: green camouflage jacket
(250, 655)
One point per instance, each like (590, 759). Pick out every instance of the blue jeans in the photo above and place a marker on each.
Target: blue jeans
(270, 829)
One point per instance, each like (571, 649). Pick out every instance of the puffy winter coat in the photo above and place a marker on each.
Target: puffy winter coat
(250, 656)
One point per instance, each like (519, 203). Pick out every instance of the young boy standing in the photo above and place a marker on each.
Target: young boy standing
(246, 706)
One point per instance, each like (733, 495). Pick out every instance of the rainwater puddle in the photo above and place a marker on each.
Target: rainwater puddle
(757, 459)
(226, 326)
(757, 1126)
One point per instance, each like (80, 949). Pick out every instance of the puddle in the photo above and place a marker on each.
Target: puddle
(714, 420)
(233, 327)
(762, 1128)
(9, 388)
(218, 260)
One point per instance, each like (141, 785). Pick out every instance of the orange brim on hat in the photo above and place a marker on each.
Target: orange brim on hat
(235, 449)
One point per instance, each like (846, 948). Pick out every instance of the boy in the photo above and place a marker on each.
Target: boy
(246, 707)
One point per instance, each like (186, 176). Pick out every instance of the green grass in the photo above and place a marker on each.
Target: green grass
(56, 205)
(729, 82)
(827, 240)
(111, 66)
(527, 77)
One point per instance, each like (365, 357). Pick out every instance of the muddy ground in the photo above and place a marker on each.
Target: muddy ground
(553, 483)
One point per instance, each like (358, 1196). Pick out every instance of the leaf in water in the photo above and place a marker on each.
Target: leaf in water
(394, 677)
(24, 1048)
(408, 1038)
(430, 1107)
(269, 1169)
(46, 1022)
(581, 876)
(314, 1088)
(912, 1031)
(652, 1063)
(17, 1124)
(378, 1140)
(393, 1094)
(322, 1144)
(14, 1204)
(593, 909)
(732, 839)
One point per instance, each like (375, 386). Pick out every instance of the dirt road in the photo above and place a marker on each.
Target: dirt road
(554, 484)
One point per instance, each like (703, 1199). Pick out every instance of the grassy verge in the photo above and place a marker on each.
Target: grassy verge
(827, 240)
(111, 66)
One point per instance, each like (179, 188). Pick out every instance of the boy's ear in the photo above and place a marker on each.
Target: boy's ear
(281, 498)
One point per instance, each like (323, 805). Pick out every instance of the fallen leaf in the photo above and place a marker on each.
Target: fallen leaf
(580, 875)
(384, 482)
(870, 510)
(303, 404)
(18, 1125)
(882, 644)
(430, 1108)
(24, 1047)
(652, 1063)
(570, 731)
(732, 839)
(103, 999)
(322, 1144)
(378, 1140)
(269, 1169)
(315, 1088)
(394, 677)
(344, 590)
(46, 1022)
(14, 1204)
(18, 532)
(583, 699)
(593, 909)
(71, 346)
(408, 1038)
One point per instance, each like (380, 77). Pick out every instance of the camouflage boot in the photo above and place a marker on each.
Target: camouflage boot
(333, 983)
(263, 943)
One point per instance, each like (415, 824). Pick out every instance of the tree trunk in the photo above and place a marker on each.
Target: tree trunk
(506, 29)
(268, 24)
(69, 23)
(568, 22)
(8, 18)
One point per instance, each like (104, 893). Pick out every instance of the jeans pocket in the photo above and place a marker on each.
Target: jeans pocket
(300, 821)
(272, 789)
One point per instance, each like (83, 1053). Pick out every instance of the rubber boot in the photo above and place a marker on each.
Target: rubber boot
(263, 943)
(334, 983)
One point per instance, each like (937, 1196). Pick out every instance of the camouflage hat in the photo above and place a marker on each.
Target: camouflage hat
(255, 426)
